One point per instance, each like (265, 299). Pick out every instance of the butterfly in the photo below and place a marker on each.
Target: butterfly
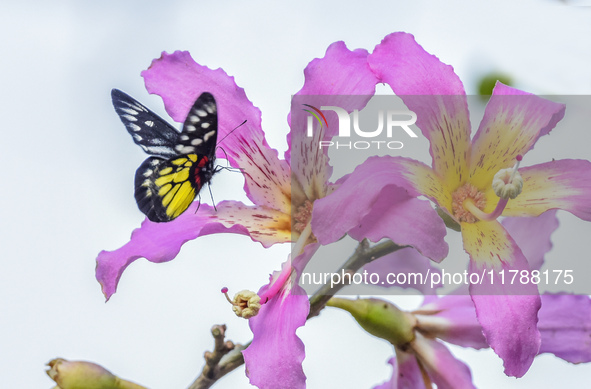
(181, 163)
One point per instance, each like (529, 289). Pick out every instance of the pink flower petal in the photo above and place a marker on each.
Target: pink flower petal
(178, 79)
(444, 369)
(508, 314)
(342, 74)
(361, 190)
(452, 319)
(161, 242)
(405, 261)
(512, 123)
(406, 221)
(406, 373)
(434, 92)
(532, 235)
(274, 358)
(563, 184)
(565, 326)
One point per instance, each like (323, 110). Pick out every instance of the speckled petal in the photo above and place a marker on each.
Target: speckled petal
(265, 225)
(506, 308)
(434, 92)
(563, 184)
(178, 79)
(512, 123)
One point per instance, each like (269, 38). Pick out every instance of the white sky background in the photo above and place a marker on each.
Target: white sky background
(68, 166)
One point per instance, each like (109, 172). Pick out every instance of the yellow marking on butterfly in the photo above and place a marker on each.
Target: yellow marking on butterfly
(163, 180)
(192, 157)
(164, 190)
(168, 198)
(184, 197)
(179, 161)
(165, 171)
(182, 175)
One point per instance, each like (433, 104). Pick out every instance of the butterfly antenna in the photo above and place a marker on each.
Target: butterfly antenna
(228, 134)
(226, 154)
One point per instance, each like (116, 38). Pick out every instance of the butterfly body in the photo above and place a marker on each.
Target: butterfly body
(181, 163)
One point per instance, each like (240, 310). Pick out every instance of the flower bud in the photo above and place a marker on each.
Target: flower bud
(84, 375)
(380, 318)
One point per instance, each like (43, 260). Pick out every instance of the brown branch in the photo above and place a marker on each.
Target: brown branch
(225, 357)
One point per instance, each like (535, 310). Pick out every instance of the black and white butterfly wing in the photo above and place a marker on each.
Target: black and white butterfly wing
(200, 130)
(148, 130)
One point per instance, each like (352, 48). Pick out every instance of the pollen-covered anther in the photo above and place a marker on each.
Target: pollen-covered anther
(507, 183)
(302, 215)
(245, 303)
(464, 193)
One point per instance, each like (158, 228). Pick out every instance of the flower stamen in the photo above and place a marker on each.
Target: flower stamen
(507, 184)
(245, 304)
(467, 202)
(302, 215)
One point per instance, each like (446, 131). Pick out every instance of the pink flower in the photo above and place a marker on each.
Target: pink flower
(268, 179)
(280, 189)
(460, 181)
(564, 320)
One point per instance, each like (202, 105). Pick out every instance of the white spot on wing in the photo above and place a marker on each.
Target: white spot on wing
(190, 128)
(149, 123)
(184, 137)
(201, 113)
(184, 149)
(129, 117)
(137, 137)
(205, 125)
(194, 119)
(196, 142)
(209, 135)
(129, 111)
(134, 127)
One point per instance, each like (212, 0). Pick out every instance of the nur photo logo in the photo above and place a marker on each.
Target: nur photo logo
(390, 123)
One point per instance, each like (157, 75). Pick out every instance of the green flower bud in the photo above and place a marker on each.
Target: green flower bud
(380, 318)
(85, 375)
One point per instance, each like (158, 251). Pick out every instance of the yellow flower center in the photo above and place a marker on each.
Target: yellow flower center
(467, 192)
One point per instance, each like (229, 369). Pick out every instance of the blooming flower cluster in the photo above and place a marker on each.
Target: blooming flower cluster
(471, 182)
